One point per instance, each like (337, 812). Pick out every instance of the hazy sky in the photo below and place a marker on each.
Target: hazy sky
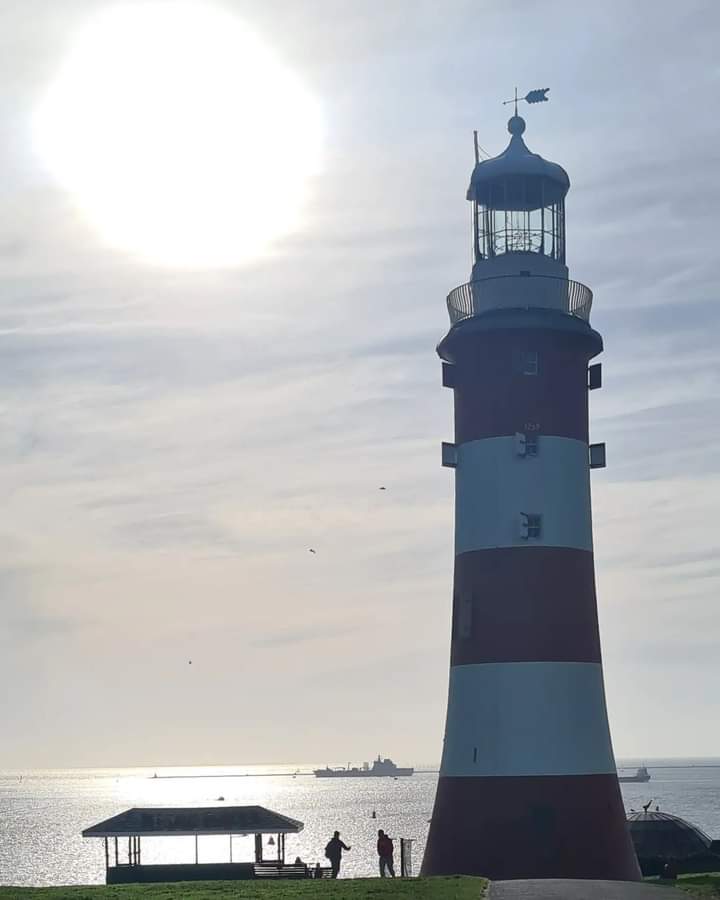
(174, 441)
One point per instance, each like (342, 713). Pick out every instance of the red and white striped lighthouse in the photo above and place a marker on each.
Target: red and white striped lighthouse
(528, 786)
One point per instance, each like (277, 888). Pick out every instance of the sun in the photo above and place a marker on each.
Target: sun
(180, 135)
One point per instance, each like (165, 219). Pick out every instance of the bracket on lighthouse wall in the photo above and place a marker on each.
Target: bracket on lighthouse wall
(449, 455)
(448, 375)
(594, 376)
(597, 456)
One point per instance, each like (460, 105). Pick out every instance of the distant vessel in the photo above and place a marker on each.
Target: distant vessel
(380, 768)
(642, 775)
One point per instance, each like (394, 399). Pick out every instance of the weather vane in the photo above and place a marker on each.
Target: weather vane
(536, 96)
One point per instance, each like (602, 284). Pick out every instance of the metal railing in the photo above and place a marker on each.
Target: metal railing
(519, 291)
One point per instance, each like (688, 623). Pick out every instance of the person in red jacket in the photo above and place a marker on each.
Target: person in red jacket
(385, 851)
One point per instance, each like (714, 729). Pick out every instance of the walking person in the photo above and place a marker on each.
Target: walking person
(385, 851)
(333, 852)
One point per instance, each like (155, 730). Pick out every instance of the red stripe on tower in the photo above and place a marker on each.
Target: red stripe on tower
(527, 785)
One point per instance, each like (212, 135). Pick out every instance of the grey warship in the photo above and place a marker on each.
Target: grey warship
(381, 768)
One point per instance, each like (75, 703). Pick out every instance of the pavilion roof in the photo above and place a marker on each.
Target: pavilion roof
(169, 821)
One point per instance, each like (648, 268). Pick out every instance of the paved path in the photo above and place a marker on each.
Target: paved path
(571, 889)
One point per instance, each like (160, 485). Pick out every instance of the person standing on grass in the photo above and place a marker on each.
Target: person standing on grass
(333, 852)
(385, 851)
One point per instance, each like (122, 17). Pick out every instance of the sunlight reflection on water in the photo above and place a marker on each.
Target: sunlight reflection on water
(42, 816)
(43, 813)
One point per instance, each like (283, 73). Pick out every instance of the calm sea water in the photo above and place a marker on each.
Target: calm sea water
(43, 812)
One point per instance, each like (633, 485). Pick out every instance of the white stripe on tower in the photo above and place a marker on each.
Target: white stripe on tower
(527, 718)
(494, 485)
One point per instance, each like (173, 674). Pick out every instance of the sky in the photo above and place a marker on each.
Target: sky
(173, 440)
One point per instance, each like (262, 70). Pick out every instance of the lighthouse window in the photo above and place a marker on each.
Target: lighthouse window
(530, 362)
(526, 444)
(530, 526)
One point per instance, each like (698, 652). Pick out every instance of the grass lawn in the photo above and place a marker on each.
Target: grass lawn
(706, 885)
(458, 888)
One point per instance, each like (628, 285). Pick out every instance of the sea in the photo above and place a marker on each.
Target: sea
(42, 813)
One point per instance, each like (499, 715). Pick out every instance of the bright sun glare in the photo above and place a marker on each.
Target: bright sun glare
(180, 135)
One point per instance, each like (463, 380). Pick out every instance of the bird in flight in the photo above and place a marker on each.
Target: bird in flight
(382, 488)
(311, 550)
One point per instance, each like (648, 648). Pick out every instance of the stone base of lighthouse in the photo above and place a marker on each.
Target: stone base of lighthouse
(530, 827)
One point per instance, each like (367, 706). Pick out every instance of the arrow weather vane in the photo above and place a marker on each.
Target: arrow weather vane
(537, 96)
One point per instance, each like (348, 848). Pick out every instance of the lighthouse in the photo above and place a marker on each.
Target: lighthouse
(528, 785)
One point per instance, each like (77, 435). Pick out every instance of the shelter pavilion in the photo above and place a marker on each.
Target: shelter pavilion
(134, 824)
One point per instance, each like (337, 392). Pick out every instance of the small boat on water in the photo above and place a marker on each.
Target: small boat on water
(381, 768)
(641, 776)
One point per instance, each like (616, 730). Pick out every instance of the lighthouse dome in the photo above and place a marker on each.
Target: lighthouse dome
(517, 178)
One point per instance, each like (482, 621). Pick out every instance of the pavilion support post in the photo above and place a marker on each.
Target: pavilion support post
(258, 848)
(107, 855)
(196, 849)
(117, 858)
(230, 848)
(139, 851)
(130, 851)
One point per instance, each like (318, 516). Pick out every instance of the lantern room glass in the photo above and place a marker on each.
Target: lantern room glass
(520, 214)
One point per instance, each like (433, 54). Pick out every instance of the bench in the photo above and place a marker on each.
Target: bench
(277, 870)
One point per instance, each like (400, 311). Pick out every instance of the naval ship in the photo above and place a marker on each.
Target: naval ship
(642, 775)
(381, 768)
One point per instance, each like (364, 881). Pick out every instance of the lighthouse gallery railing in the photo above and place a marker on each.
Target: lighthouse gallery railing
(519, 291)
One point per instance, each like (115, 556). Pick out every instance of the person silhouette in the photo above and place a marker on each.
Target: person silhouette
(385, 851)
(333, 852)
